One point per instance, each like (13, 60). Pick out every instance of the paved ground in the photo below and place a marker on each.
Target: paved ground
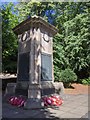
(74, 106)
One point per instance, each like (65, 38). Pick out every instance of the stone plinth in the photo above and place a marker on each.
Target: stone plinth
(22, 88)
(33, 103)
(10, 89)
(47, 88)
(59, 88)
(34, 91)
(34, 97)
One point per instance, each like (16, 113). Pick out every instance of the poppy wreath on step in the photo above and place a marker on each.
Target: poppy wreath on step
(52, 101)
(17, 101)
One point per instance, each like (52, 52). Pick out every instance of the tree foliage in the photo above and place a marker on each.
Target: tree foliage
(68, 76)
(9, 40)
(71, 44)
(73, 40)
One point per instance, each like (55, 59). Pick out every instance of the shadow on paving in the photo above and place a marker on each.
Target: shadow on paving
(10, 112)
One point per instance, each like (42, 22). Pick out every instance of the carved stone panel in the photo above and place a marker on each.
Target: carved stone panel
(24, 46)
(46, 43)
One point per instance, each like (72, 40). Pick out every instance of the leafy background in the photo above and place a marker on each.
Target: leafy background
(71, 47)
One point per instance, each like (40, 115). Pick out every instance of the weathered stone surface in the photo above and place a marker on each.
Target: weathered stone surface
(47, 88)
(21, 88)
(34, 91)
(10, 89)
(59, 87)
(52, 87)
(33, 103)
(35, 40)
(22, 84)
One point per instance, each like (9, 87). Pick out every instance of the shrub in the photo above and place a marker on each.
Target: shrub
(86, 81)
(68, 76)
(56, 73)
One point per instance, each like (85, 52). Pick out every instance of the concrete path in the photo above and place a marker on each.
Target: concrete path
(74, 106)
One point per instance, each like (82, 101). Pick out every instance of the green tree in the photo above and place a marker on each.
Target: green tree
(71, 44)
(9, 40)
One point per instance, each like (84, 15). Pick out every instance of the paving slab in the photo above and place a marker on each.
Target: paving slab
(80, 111)
(71, 108)
(66, 109)
(70, 115)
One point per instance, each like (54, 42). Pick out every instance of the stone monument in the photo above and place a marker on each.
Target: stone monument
(35, 56)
